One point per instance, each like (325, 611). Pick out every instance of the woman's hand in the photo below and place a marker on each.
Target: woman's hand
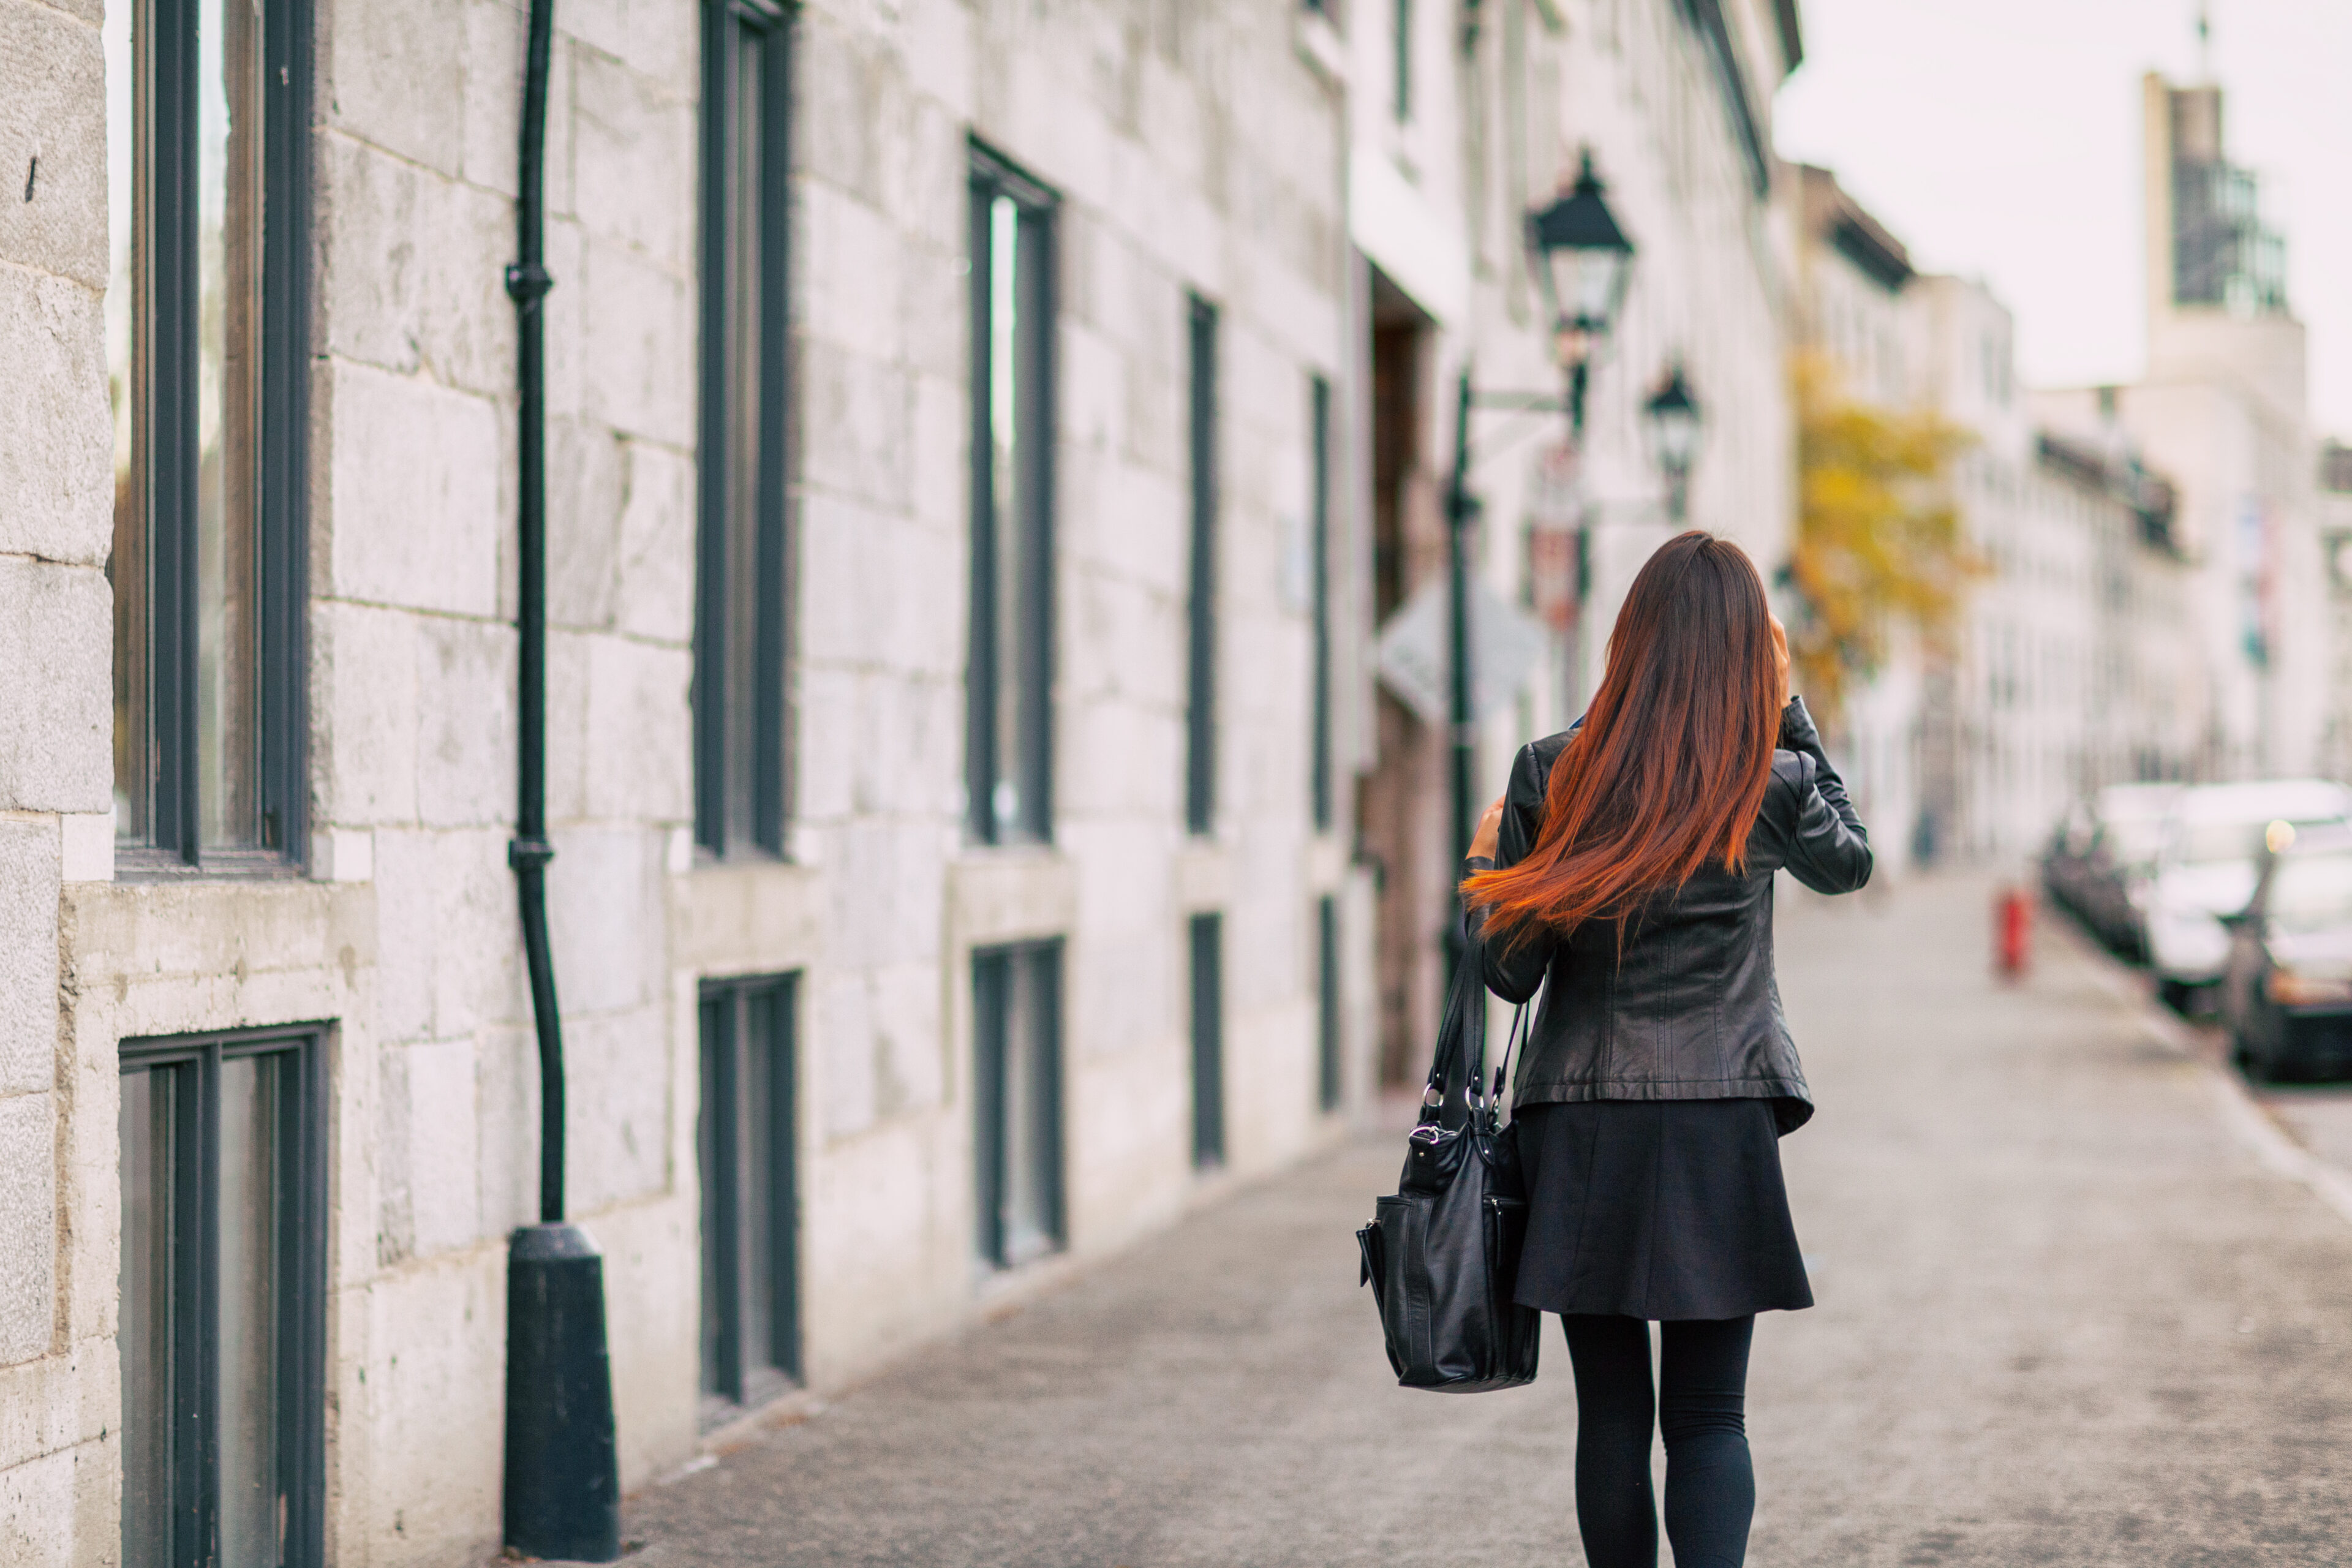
(1490, 832)
(1780, 656)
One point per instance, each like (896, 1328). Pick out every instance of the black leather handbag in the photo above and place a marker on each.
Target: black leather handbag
(1443, 1254)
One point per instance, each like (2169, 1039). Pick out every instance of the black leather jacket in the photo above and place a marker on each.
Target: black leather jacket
(1691, 1011)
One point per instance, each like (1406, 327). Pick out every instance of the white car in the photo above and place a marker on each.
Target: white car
(2213, 840)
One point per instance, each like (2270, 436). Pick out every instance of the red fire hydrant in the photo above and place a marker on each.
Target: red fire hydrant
(2013, 933)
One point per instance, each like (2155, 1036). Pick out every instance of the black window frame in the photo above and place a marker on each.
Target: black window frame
(1205, 933)
(993, 1016)
(735, 1017)
(1024, 653)
(301, 1282)
(1320, 791)
(164, 407)
(1200, 574)
(1327, 1087)
(742, 700)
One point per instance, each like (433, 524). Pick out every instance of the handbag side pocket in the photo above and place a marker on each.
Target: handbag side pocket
(1374, 1261)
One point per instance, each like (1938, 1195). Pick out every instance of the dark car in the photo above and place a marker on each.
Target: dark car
(2287, 992)
(2101, 858)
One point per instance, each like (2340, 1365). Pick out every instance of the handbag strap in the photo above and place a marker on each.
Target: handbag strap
(1462, 1030)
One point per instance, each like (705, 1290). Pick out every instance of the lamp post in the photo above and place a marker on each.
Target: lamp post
(1674, 419)
(1581, 260)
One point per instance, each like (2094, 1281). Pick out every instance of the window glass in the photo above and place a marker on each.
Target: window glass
(126, 302)
(205, 319)
(1208, 1040)
(228, 423)
(223, 1289)
(739, 622)
(1320, 577)
(1029, 1112)
(248, 1301)
(1016, 1102)
(151, 1157)
(2313, 892)
(1326, 1002)
(2215, 843)
(1010, 671)
(751, 1325)
(1011, 563)
(2133, 843)
(1201, 619)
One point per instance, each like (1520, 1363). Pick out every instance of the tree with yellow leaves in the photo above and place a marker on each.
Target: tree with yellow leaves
(1878, 539)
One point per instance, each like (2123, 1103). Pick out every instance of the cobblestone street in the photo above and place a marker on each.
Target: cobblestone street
(2068, 1315)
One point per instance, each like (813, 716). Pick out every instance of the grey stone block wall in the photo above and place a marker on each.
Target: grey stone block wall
(56, 1361)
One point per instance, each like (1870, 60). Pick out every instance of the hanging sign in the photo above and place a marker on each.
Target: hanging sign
(1415, 646)
(1555, 530)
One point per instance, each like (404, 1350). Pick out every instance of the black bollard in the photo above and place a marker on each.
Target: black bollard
(563, 1482)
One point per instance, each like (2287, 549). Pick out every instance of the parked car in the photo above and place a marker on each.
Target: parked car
(2206, 870)
(2288, 997)
(2102, 856)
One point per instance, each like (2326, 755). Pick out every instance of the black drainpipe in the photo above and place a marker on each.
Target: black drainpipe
(562, 1478)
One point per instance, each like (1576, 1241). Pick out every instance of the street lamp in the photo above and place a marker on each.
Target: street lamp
(1582, 261)
(1674, 419)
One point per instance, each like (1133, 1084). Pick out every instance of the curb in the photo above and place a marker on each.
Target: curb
(2272, 1147)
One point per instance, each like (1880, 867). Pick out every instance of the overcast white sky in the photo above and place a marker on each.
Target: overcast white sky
(2001, 139)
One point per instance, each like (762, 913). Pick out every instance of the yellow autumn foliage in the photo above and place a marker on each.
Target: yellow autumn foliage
(1878, 539)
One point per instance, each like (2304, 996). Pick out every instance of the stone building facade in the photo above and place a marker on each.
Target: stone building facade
(965, 564)
(1854, 312)
(2060, 679)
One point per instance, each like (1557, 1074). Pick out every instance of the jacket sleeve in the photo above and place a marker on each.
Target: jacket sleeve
(1515, 962)
(1829, 849)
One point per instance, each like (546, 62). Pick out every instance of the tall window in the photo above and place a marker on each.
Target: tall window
(1318, 544)
(1018, 1102)
(741, 566)
(1200, 605)
(223, 1327)
(1009, 732)
(744, 1140)
(1208, 1040)
(1326, 1002)
(206, 315)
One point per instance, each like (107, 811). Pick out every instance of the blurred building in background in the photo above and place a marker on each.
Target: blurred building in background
(2222, 413)
(2152, 599)
(1852, 312)
(2334, 512)
(2056, 679)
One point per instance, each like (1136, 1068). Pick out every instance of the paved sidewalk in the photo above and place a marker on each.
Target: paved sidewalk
(2065, 1318)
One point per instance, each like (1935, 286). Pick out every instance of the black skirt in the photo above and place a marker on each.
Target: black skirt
(1659, 1209)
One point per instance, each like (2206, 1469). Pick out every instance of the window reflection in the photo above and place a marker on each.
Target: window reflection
(143, 1334)
(126, 303)
(183, 337)
(228, 425)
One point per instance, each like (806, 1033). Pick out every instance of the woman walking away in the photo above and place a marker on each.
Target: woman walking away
(1630, 864)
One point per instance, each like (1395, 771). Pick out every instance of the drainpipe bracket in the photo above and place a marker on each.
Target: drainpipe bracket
(528, 281)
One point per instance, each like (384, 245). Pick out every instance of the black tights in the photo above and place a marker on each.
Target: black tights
(1701, 1405)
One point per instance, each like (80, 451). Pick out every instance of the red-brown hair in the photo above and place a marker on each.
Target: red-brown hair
(1669, 770)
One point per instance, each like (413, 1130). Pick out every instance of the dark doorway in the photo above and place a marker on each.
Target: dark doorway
(1400, 818)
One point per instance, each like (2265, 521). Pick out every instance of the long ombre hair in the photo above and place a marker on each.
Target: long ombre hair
(1669, 770)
